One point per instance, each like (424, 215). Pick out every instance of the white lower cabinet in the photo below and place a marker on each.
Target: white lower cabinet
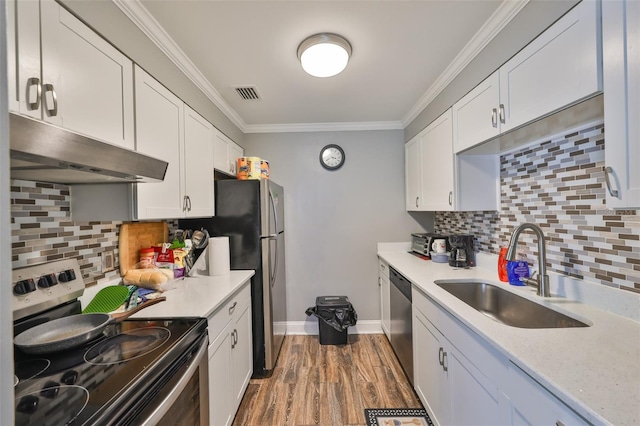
(385, 297)
(462, 380)
(527, 397)
(453, 390)
(230, 357)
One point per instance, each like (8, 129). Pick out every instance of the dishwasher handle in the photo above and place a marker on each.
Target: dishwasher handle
(400, 282)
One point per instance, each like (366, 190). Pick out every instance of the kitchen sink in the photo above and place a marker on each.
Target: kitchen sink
(506, 307)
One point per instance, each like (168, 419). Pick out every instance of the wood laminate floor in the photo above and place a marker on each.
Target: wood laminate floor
(330, 385)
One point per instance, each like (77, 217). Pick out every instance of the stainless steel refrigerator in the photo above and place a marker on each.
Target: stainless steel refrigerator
(251, 214)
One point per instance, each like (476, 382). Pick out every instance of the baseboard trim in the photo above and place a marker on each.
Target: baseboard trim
(311, 327)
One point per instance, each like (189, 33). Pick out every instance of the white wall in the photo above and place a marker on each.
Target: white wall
(335, 219)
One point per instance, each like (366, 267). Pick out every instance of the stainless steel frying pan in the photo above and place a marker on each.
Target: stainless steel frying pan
(69, 332)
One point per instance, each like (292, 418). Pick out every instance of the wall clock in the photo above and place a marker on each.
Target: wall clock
(332, 157)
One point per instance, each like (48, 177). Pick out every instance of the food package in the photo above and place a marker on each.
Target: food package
(265, 171)
(248, 168)
(158, 279)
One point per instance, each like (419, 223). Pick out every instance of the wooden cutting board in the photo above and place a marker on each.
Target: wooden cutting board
(134, 236)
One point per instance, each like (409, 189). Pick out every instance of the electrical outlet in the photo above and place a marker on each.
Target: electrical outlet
(108, 263)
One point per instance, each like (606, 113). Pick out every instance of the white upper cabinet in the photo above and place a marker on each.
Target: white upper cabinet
(67, 75)
(621, 45)
(436, 179)
(437, 162)
(558, 68)
(476, 117)
(429, 167)
(198, 168)
(226, 153)
(160, 133)
(413, 174)
(169, 130)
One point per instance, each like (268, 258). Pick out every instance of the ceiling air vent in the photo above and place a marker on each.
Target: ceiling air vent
(248, 93)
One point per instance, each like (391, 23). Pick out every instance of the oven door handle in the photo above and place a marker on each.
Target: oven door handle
(173, 396)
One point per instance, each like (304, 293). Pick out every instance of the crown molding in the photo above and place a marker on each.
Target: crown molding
(496, 22)
(323, 127)
(141, 17)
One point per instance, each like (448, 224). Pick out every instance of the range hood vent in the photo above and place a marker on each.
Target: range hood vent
(45, 153)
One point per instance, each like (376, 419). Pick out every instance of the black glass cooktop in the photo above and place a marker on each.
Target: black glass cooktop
(90, 383)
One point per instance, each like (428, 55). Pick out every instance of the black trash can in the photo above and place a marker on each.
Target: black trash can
(335, 315)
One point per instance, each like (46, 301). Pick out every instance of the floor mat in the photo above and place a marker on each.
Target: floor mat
(397, 417)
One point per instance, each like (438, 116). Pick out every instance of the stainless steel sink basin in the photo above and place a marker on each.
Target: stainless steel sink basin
(506, 307)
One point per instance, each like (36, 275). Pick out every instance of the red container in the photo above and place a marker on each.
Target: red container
(502, 265)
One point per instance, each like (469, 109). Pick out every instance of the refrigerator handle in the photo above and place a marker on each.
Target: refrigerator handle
(275, 219)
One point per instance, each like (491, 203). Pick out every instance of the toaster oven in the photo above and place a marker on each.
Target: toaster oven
(421, 242)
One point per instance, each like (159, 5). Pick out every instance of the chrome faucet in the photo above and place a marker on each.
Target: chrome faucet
(542, 281)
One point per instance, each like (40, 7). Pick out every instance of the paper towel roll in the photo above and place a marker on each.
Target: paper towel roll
(219, 256)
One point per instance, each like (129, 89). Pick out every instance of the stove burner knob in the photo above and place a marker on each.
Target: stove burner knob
(50, 390)
(24, 286)
(28, 404)
(66, 276)
(70, 377)
(47, 281)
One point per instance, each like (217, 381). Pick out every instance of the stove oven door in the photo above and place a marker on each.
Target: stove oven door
(184, 396)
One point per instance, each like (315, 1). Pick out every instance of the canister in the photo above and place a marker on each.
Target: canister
(264, 169)
(248, 168)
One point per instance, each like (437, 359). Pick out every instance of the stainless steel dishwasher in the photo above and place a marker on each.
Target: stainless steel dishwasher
(401, 328)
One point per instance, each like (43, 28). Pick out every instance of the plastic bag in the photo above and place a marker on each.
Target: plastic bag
(340, 318)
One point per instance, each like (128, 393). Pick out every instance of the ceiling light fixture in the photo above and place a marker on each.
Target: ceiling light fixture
(324, 54)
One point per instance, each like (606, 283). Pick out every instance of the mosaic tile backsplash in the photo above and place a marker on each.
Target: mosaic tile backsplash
(42, 231)
(559, 185)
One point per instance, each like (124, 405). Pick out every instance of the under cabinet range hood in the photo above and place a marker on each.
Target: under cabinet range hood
(45, 153)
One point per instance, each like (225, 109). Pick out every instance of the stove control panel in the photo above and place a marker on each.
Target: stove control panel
(39, 287)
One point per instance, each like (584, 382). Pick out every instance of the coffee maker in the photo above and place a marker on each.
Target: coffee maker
(462, 254)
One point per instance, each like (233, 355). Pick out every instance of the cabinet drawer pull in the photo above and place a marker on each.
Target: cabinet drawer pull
(559, 423)
(232, 307)
(444, 361)
(494, 117)
(440, 358)
(502, 117)
(608, 171)
(417, 201)
(51, 112)
(450, 198)
(33, 81)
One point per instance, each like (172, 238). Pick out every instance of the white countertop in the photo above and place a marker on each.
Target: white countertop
(192, 297)
(595, 370)
(197, 296)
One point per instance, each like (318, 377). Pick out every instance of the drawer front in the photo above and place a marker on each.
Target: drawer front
(383, 269)
(221, 317)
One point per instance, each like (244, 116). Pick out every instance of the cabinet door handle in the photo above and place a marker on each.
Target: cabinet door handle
(444, 361)
(232, 307)
(51, 112)
(559, 423)
(608, 171)
(188, 203)
(450, 198)
(417, 201)
(184, 203)
(379, 285)
(440, 358)
(234, 338)
(33, 81)
(502, 117)
(494, 117)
